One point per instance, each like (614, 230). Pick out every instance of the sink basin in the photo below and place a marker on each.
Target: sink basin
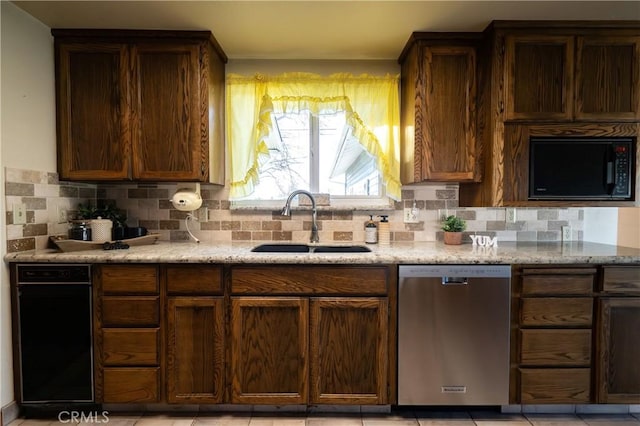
(282, 248)
(341, 249)
(304, 248)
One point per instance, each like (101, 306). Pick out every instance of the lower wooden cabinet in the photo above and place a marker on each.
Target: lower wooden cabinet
(619, 350)
(195, 334)
(553, 335)
(349, 350)
(269, 350)
(127, 329)
(311, 334)
(555, 385)
(195, 350)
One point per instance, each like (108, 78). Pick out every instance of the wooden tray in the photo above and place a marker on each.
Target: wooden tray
(77, 245)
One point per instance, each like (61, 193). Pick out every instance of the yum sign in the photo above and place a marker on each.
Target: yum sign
(484, 241)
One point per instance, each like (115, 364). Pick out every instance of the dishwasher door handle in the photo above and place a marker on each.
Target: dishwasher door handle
(455, 281)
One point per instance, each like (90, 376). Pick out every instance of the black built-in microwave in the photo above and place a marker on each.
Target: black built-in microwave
(580, 168)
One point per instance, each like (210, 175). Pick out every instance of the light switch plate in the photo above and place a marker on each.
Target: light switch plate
(510, 215)
(19, 214)
(566, 233)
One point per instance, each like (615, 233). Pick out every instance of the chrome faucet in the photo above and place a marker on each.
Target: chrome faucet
(286, 211)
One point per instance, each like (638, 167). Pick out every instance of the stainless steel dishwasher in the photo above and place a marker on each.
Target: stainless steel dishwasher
(453, 334)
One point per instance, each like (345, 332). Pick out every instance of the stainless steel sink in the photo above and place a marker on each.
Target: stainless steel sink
(305, 248)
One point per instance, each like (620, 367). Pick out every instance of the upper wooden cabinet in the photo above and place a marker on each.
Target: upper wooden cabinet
(139, 105)
(438, 118)
(538, 77)
(591, 77)
(607, 78)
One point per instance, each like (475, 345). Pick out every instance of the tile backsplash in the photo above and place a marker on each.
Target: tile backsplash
(148, 205)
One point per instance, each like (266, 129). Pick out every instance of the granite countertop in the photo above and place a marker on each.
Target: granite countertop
(397, 253)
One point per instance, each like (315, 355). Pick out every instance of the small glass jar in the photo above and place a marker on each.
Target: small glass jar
(80, 231)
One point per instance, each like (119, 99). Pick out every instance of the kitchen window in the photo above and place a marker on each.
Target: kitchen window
(336, 135)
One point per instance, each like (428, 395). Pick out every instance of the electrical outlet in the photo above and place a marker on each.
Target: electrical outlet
(510, 216)
(566, 233)
(410, 215)
(62, 215)
(19, 214)
(202, 214)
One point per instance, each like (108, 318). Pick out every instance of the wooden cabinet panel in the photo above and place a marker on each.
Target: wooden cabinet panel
(195, 356)
(296, 279)
(555, 347)
(438, 114)
(618, 374)
(555, 385)
(141, 105)
(538, 77)
(127, 347)
(194, 279)
(92, 87)
(621, 279)
(558, 281)
(126, 279)
(131, 385)
(349, 350)
(608, 78)
(556, 311)
(166, 142)
(269, 350)
(130, 311)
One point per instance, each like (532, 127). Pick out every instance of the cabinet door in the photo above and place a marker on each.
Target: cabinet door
(195, 356)
(608, 78)
(618, 377)
(538, 77)
(167, 143)
(93, 108)
(449, 127)
(269, 350)
(349, 350)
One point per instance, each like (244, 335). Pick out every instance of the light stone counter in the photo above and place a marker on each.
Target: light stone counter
(399, 253)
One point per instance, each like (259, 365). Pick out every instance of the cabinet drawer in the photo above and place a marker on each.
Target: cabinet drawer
(558, 281)
(555, 347)
(131, 385)
(291, 280)
(128, 279)
(122, 346)
(194, 279)
(621, 279)
(556, 311)
(122, 311)
(555, 385)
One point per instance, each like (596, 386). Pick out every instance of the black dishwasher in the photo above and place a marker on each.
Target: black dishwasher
(54, 331)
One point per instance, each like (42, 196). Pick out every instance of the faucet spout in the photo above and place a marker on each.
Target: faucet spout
(286, 211)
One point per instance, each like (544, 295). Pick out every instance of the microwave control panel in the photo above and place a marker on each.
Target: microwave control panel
(622, 169)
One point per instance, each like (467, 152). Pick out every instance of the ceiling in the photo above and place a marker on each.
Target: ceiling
(319, 29)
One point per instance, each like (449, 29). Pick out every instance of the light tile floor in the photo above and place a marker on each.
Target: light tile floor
(402, 418)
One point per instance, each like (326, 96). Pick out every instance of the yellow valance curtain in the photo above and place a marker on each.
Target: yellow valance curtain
(370, 103)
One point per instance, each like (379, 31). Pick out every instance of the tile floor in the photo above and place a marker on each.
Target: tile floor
(403, 418)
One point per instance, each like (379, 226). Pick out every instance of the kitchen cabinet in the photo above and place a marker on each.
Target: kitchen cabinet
(127, 334)
(438, 110)
(139, 105)
(195, 371)
(311, 334)
(607, 76)
(538, 77)
(552, 335)
(550, 79)
(618, 348)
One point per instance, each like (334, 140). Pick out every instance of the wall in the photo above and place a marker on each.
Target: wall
(629, 227)
(27, 136)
